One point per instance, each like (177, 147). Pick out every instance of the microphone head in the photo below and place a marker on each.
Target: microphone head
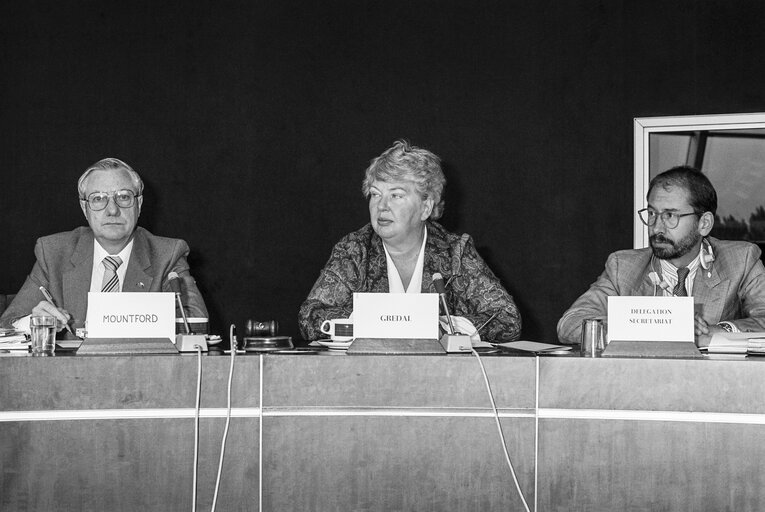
(438, 282)
(173, 275)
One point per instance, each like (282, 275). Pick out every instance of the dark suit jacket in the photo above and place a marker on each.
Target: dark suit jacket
(734, 291)
(358, 264)
(65, 264)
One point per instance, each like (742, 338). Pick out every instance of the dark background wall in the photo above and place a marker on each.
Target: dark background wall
(252, 122)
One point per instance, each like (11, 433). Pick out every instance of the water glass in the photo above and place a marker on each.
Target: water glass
(593, 337)
(43, 333)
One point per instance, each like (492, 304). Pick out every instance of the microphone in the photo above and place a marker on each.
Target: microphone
(451, 341)
(185, 342)
(174, 280)
(438, 282)
(654, 277)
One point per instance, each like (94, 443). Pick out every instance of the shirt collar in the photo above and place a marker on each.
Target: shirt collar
(395, 284)
(670, 271)
(99, 253)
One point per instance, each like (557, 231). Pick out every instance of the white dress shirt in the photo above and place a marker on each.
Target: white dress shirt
(395, 284)
(99, 253)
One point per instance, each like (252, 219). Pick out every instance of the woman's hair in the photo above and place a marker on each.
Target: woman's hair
(404, 162)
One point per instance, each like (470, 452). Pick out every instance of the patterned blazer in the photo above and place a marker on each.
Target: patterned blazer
(358, 264)
(65, 264)
(732, 290)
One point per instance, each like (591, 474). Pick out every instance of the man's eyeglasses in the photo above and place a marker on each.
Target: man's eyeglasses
(97, 201)
(670, 219)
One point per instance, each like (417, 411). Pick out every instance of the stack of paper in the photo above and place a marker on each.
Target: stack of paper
(11, 339)
(738, 343)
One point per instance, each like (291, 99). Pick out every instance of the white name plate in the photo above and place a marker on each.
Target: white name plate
(650, 318)
(131, 315)
(395, 315)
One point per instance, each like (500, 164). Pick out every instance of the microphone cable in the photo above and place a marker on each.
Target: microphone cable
(499, 429)
(196, 428)
(232, 341)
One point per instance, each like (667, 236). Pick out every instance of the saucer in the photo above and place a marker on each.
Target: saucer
(335, 345)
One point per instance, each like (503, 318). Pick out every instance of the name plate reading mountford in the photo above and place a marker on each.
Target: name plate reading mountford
(131, 315)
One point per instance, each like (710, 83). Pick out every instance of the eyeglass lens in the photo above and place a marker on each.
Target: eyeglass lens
(99, 200)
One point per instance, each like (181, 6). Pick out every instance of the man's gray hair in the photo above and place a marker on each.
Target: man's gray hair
(110, 164)
(404, 162)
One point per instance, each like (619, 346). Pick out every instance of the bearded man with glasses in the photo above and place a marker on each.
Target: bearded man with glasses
(725, 278)
(111, 255)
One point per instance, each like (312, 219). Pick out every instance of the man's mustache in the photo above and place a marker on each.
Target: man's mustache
(659, 238)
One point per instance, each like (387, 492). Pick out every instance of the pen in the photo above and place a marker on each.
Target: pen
(487, 321)
(49, 298)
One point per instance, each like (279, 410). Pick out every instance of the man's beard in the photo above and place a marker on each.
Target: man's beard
(676, 249)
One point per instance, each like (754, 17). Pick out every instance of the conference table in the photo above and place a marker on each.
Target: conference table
(333, 431)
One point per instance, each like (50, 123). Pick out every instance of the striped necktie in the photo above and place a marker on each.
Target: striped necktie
(680, 290)
(111, 282)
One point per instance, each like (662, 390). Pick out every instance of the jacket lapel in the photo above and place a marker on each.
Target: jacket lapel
(437, 259)
(709, 292)
(646, 287)
(76, 278)
(377, 266)
(136, 277)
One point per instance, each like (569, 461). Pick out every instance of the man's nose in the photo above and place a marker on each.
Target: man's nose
(658, 227)
(112, 209)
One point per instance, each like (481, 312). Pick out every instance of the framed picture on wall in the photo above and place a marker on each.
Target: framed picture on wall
(728, 148)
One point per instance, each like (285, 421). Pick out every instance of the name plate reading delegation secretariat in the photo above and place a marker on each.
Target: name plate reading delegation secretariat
(650, 318)
(395, 315)
(131, 315)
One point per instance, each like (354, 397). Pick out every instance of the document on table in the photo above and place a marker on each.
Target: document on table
(534, 346)
(11, 339)
(738, 343)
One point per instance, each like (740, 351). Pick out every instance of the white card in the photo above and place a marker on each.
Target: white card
(650, 318)
(131, 315)
(395, 315)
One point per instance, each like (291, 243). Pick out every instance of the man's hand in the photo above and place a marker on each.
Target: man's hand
(704, 331)
(46, 308)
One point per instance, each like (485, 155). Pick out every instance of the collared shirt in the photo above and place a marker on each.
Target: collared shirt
(395, 284)
(99, 253)
(669, 273)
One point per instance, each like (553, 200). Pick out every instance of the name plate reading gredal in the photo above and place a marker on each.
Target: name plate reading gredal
(131, 315)
(650, 318)
(395, 315)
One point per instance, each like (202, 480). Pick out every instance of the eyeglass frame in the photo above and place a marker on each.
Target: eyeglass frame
(111, 197)
(663, 215)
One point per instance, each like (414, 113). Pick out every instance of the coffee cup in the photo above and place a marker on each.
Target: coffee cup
(338, 329)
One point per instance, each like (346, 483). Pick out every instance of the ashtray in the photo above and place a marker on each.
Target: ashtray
(267, 343)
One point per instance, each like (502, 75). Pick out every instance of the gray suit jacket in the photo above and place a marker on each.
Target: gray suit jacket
(65, 263)
(733, 291)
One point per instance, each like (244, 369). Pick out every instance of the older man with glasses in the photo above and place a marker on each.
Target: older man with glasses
(725, 278)
(111, 255)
